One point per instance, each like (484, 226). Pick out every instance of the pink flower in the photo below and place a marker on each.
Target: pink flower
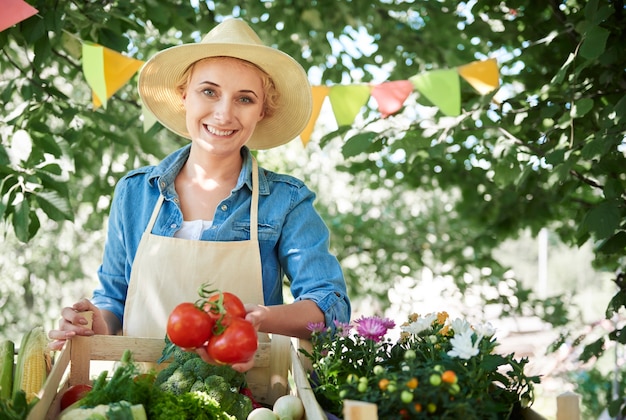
(316, 327)
(373, 328)
(342, 329)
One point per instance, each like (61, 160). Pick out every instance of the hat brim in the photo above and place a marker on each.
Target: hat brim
(159, 76)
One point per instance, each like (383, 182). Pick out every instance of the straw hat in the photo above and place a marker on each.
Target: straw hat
(231, 38)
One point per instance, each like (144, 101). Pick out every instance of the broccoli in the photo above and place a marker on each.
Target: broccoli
(241, 408)
(177, 383)
(190, 382)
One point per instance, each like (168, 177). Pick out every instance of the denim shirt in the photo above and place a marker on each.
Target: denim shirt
(293, 238)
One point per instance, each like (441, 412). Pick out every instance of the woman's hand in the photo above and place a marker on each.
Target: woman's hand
(74, 322)
(239, 367)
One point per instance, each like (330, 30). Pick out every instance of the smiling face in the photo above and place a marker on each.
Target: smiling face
(224, 100)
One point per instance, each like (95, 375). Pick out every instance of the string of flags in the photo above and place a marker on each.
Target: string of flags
(106, 71)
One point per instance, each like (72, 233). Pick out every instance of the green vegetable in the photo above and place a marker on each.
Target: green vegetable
(188, 373)
(16, 408)
(7, 353)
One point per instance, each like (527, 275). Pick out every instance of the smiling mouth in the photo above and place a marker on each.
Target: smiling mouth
(217, 132)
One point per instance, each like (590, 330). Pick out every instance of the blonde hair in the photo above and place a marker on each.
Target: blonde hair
(270, 93)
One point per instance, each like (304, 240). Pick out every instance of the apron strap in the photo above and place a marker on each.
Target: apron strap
(155, 213)
(254, 205)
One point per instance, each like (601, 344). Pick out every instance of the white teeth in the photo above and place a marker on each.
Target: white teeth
(219, 132)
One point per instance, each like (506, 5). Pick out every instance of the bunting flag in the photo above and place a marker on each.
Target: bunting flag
(442, 88)
(106, 71)
(319, 95)
(148, 118)
(390, 96)
(15, 11)
(482, 75)
(347, 101)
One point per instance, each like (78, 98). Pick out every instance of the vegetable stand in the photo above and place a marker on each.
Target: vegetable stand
(73, 364)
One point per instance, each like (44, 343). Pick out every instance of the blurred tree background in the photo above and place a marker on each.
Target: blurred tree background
(420, 204)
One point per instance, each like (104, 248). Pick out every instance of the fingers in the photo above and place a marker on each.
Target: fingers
(243, 367)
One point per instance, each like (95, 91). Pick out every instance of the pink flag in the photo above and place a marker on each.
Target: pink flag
(390, 96)
(15, 11)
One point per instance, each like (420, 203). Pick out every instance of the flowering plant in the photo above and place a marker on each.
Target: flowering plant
(438, 368)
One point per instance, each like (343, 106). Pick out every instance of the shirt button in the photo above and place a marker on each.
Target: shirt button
(173, 225)
(176, 200)
(224, 207)
(162, 184)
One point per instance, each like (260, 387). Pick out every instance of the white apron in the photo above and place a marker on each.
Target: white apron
(167, 271)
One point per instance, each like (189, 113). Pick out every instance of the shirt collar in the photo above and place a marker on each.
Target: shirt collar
(165, 172)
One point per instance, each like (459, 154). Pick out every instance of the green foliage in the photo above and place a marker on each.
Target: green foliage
(438, 368)
(545, 150)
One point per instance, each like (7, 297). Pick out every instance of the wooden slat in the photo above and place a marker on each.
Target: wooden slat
(312, 409)
(52, 385)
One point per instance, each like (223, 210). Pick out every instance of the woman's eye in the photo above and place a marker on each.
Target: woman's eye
(246, 99)
(208, 92)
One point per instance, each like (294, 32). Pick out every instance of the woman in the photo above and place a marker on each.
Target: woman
(206, 213)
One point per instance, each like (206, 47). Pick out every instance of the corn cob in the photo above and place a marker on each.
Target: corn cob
(33, 363)
(7, 353)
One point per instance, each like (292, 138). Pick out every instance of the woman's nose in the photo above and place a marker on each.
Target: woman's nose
(223, 110)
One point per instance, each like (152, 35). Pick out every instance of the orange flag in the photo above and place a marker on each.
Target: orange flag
(319, 94)
(15, 11)
(106, 71)
(482, 75)
(390, 96)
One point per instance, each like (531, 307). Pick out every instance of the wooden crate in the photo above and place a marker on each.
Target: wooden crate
(267, 380)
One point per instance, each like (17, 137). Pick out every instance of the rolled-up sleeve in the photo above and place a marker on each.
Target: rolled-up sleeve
(313, 271)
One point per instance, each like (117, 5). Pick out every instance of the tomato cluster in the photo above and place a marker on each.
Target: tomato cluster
(217, 323)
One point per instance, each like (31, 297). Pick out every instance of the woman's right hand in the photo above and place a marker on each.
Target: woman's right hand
(73, 322)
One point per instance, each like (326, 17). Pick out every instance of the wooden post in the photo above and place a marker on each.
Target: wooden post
(568, 406)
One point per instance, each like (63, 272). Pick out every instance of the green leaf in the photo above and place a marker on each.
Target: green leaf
(358, 144)
(21, 220)
(616, 244)
(617, 302)
(594, 43)
(581, 107)
(592, 350)
(56, 207)
(603, 219)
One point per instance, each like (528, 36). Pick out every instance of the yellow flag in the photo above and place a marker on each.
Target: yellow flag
(484, 76)
(319, 94)
(106, 71)
(347, 101)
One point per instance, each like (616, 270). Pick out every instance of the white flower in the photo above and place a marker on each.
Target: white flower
(485, 330)
(460, 326)
(462, 345)
(422, 324)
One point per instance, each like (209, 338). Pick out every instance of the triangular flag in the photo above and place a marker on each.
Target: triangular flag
(442, 88)
(15, 11)
(390, 96)
(319, 94)
(484, 76)
(106, 71)
(347, 101)
(148, 119)
(93, 68)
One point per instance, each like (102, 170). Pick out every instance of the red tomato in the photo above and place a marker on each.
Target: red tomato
(237, 344)
(231, 304)
(189, 326)
(73, 394)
